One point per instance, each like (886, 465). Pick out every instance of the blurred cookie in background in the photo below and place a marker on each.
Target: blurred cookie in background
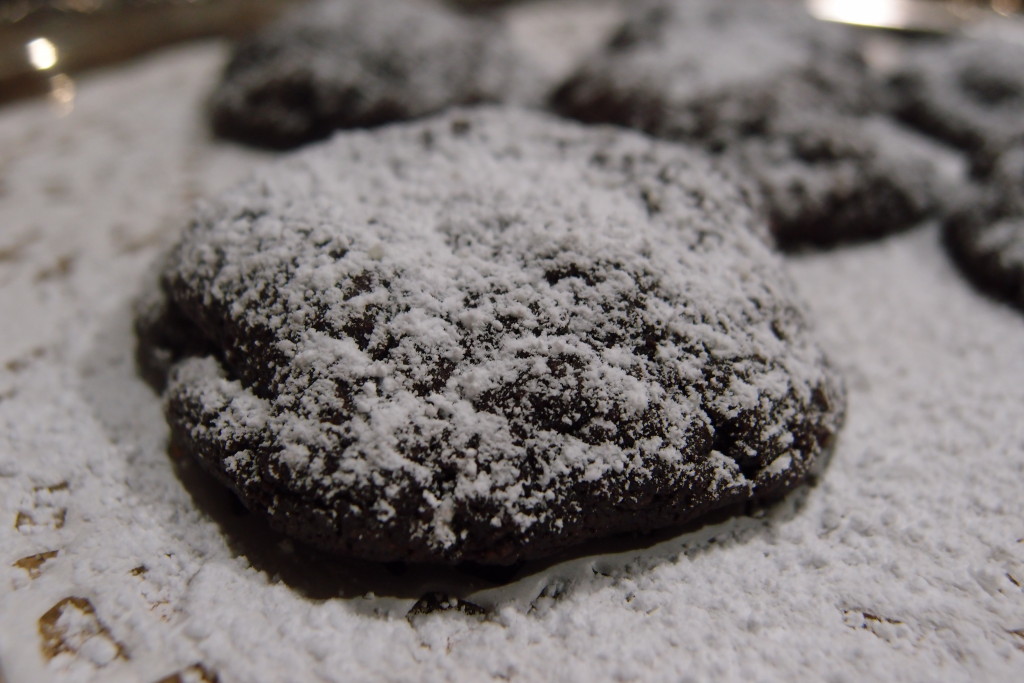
(966, 92)
(789, 99)
(986, 238)
(359, 63)
(711, 72)
(829, 179)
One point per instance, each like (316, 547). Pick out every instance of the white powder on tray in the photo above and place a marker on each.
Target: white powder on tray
(906, 562)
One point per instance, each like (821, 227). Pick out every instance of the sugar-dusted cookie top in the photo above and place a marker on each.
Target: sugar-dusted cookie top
(488, 335)
(715, 70)
(358, 63)
(783, 95)
(827, 179)
(965, 91)
(986, 238)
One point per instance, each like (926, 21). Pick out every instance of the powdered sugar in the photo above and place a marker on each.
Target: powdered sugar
(356, 63)
(425, 312)
(710, 71)
(966, 91)
(904, 562)
(829, 178)
(782, 96)
(986, 234)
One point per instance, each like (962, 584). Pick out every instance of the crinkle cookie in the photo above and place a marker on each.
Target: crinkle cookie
(967, 92)
(711, 71)
(165, 336)
(490, 335)
(783, 94)
(827, 179)
(361, 63)
(987, 238)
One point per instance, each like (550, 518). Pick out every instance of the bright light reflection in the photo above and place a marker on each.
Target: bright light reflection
(863, 12)
(42, 54)
(912, 15)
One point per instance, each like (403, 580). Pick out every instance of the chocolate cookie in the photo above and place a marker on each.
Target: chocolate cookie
(165, 336)
(986, 239)
(489, 335)
(360, 63)
(711, 71)
(827, 179)
(967, 92)
(781, 93)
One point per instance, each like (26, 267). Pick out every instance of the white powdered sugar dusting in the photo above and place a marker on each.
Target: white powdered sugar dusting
(709, 70)
(1005, 240)
(964, 90)
(354, 63)
(520, 302)
(120, 563)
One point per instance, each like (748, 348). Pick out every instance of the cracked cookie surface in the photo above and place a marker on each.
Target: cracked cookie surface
(489, 335)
